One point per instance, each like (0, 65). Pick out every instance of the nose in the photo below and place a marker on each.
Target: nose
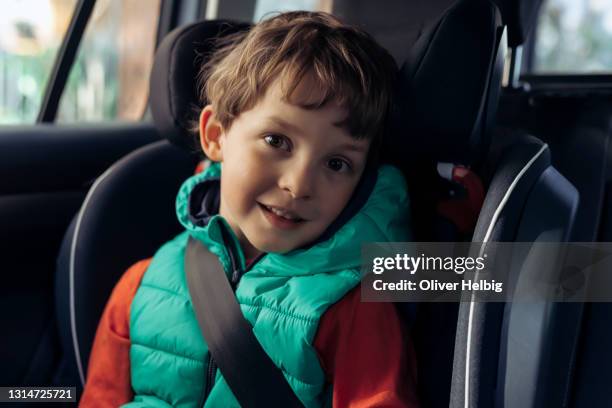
(298, 180)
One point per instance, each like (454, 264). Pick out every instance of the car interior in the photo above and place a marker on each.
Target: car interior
(80, 203)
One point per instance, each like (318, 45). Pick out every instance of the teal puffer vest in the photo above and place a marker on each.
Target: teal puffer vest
(283, 296)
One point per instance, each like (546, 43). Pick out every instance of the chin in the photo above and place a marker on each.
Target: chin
(275, 247)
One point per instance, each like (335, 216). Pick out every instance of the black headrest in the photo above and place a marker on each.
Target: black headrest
(173, 84)
(519, 16)
(449, 87)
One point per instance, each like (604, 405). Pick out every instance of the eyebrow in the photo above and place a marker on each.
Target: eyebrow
(289, 126)
(284, 124)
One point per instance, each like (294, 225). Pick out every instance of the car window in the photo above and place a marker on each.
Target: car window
(110, 77)
(255, 10)
(31, 33)
(574, 36)
(263, 7)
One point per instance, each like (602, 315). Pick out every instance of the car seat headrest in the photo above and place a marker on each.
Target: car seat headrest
(519, 16)
(173, 86)
(448, 87)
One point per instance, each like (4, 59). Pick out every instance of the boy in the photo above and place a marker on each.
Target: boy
(296, 114)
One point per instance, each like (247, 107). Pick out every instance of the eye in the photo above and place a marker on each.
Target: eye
(277, 142)
(338, 165)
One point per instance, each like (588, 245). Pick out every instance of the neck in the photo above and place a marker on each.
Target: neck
(248, 250)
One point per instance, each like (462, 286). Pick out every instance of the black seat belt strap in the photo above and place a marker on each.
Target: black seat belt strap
(250, 373)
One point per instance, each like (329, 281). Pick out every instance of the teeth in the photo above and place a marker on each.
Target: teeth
(282, 213)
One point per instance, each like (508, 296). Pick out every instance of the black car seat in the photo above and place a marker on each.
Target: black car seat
(530, 363)
(129, 211)
(518, 355)
(447, 101)
(449, 96)
(397, 25)
(575, 370)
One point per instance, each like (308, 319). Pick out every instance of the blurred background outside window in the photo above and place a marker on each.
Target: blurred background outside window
(574, 36)
(264, 7)
(109, 79)
(31, 32)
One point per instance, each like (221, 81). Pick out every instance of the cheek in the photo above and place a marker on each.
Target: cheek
(236, 187)
(335, 200)
(243, 181)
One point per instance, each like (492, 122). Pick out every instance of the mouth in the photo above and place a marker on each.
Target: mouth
(281, 217)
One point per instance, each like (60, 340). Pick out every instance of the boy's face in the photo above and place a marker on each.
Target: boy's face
(287, 171)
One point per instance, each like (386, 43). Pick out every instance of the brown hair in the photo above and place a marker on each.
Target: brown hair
(343, 63)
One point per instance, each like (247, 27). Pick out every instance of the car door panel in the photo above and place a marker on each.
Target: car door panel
(45, 173)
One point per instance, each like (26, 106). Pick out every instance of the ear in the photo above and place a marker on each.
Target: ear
(211, 133)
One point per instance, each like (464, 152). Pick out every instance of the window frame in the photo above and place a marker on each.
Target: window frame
(64, 61)
(571, 80)
(169, 18)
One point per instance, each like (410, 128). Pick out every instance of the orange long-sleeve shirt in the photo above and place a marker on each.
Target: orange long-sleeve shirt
(361, 346)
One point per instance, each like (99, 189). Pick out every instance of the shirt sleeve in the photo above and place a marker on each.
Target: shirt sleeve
(108, 376)
(366, 355)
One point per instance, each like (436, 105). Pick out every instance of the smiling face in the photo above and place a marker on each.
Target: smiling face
(287, 171)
